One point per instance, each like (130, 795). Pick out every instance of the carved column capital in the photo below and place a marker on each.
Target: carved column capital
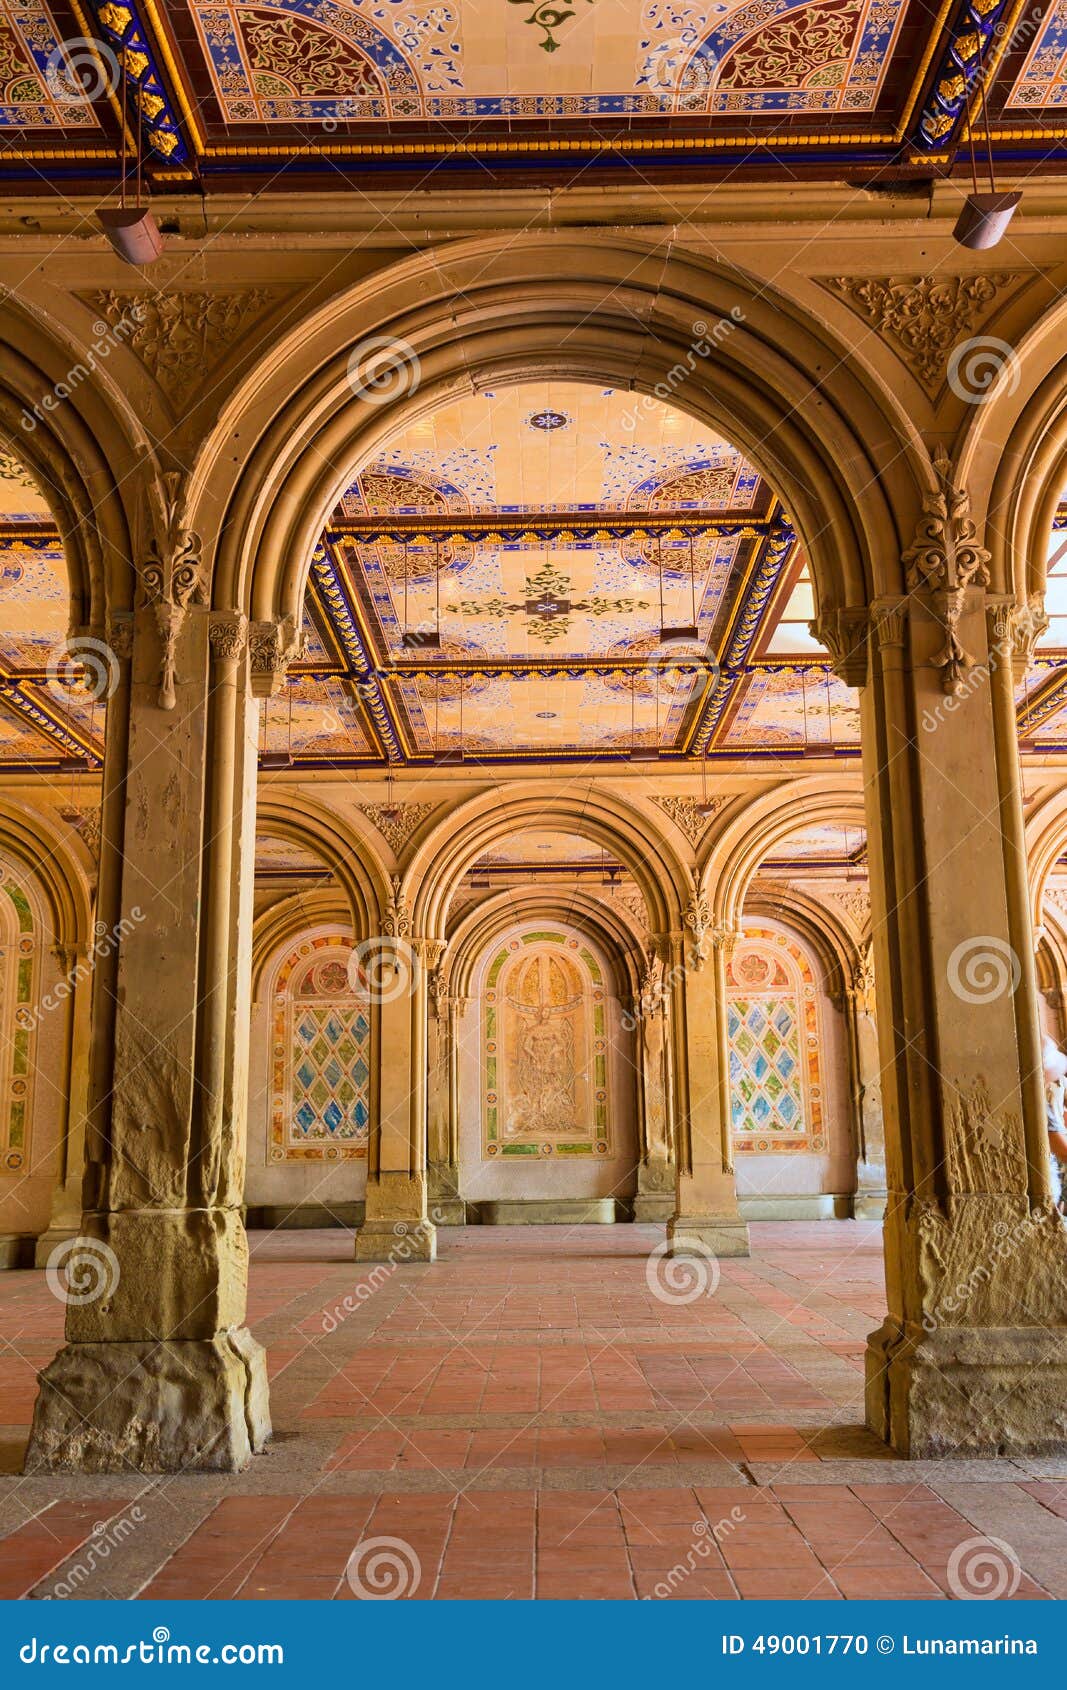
(228, 633)
(272, 647)
(889, 621)
(843, 631)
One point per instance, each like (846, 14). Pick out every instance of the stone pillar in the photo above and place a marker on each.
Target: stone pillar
(442, 1124)
(706, 1196)
(397, 1226)
(65, 1219)
(869, 1198)
(972, 1358)
(159, 1373)
(655, 1196)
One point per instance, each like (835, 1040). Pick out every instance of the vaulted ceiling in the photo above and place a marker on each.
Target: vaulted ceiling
(554, 570)
(294, 92)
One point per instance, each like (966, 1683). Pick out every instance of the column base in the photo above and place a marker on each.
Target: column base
(722, 1235)
(653, 1208)
(397, 1242)
(869, 1206)
(52, 1239)
(167, 1406)
(968, 1391)
(448, 1211)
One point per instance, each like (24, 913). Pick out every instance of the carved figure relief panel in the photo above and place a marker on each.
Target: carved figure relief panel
(545, 1050)
(776, 1091)
(320, 1055)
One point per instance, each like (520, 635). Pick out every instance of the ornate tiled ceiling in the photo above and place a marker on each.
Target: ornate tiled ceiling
(285, 89)
(495, 588)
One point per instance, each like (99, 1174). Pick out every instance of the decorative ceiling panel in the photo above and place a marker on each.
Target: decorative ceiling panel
(541, 446)
(278, 91)
(322, 61)
(792, 708)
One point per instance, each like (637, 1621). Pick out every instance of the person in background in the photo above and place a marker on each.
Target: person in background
(1054, 1064)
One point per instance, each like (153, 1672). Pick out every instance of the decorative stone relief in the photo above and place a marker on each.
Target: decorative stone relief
(397, 923)
(182, 335)
(944, 560)
(272, 646)
(693, 819)
(228, 635)
(12, 469)
(983, 1146)
(171, 579)
(856, 903)
(843, 631)
(923, 317)
(397, 822)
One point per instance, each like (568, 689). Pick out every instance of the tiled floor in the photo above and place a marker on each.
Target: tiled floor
(527, 1417)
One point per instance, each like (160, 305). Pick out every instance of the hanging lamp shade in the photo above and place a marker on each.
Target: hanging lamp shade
(133, 232)
(984, 219)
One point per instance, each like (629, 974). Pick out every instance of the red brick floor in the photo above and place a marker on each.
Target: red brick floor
(527, 1418)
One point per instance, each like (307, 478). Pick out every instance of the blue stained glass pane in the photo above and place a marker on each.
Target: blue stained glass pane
(333, 1116)
(305, 1074)
(362, 1114)
(361, 1073)
(307, 1029)
(305, 1117)
(785, 1065)
(760, 1066)
(333, 1073)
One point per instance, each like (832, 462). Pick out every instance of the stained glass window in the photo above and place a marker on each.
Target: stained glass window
(321, 1055)
(773, 1032)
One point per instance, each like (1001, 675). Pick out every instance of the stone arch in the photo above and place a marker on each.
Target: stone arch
(1046, 838)
(453, 845)
(91, 460)
(494, 311)
(282, 924)
(344, 849)
(610, 929)
(837, 951)
(52, 864)
(735, 849)
(1015, 446)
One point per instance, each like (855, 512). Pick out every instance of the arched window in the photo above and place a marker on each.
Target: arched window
(776, 1093)
(545, 1058)
(18, 1019)
(320, 1055)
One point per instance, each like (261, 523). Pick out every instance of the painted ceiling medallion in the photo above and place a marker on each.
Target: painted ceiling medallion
(548, 421)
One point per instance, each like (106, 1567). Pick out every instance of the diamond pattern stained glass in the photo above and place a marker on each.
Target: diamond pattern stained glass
(773, 1034)
(321, 1056)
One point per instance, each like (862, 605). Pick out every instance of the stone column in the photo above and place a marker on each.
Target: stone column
(655, 1196)
(869, 1198)
(972, 1358)
(706, 1209)
(442, 1122)
(65, 1219)
(159, 1373)
(397, 1227)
